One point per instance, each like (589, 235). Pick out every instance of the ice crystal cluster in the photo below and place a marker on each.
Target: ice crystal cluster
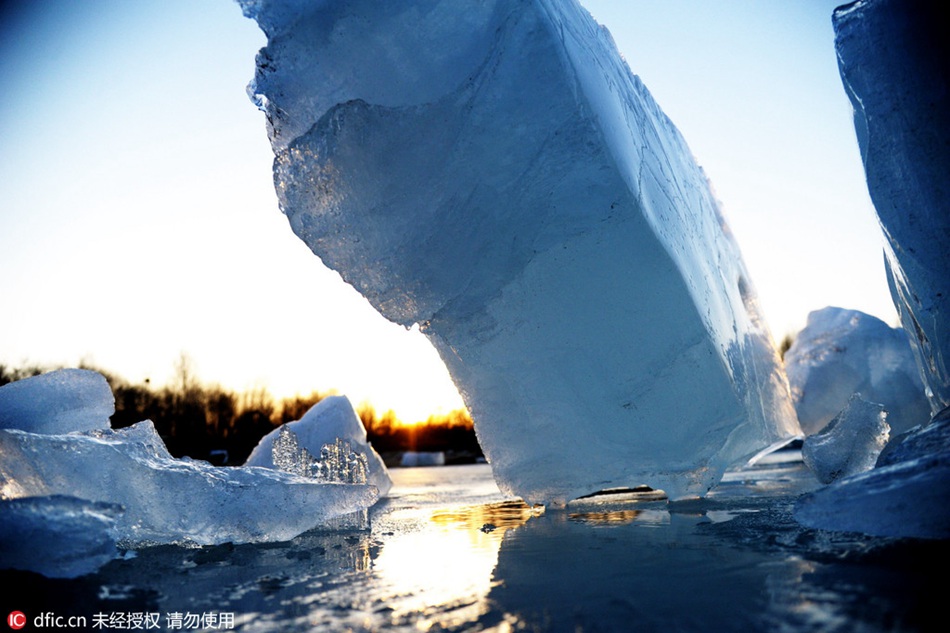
(338, 462)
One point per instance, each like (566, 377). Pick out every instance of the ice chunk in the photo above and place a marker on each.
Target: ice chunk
(850, 443)
(894, 58)
(907, 495)
(169, 500)
(330, 419)
(57, 402)
(494, 173)
(57, 536)
(842, 352)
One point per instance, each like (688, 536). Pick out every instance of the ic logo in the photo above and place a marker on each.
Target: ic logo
(16, 620)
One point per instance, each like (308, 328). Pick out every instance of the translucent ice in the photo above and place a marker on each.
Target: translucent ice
(167, 500)
(57, 536)
(329, 420)
(494, 173)
(850, 443)
(908, 494)
(843, 352)
(894, 58)
(337, 462)
(60, 401)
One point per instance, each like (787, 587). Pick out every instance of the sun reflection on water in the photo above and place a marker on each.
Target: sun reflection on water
(443, 573)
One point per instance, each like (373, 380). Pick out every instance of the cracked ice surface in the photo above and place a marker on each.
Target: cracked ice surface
(168, 500)
(494, 173)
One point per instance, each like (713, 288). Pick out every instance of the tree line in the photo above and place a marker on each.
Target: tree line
(209, 422)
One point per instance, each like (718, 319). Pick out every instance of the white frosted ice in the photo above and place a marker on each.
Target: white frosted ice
(842, 352)
(167, 500)
(494, 173)
(327, 421)
(894, 58)
(906, 495)
(850, 443)
(57, 536)
(57, 402)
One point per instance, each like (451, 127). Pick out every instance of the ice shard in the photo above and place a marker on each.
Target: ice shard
(850, 443)
(494, 173)
(894, 58)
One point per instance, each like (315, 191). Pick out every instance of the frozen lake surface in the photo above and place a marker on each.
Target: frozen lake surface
(448, 552)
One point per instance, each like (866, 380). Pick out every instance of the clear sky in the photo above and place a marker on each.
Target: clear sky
(138, 218)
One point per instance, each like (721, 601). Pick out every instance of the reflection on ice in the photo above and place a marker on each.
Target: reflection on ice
(447, 552)
(622, 517)
(442, 574)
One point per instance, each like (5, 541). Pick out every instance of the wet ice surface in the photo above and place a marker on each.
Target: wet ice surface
(447, 552)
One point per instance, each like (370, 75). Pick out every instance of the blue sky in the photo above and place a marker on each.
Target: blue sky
(138, 219)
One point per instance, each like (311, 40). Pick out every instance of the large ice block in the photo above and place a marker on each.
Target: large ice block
(894, 58)
(168, 500)
(495, 173)
(843, 352)
(327, 421)
(60, 401)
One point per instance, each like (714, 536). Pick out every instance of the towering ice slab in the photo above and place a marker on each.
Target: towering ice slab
(493, 172)
(894, 57)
